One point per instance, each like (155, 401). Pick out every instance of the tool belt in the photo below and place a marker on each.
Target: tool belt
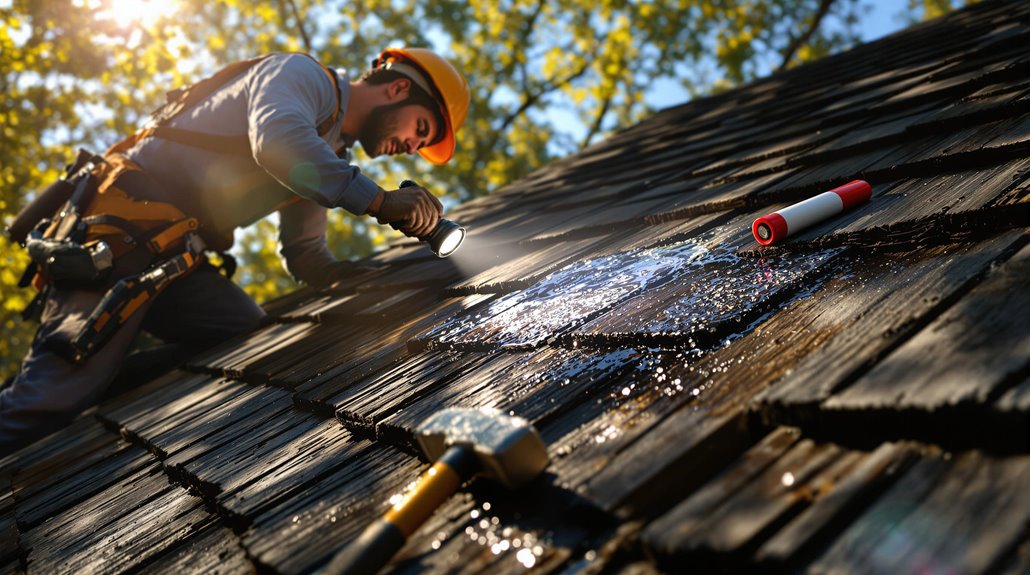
(56, 246)
(127, 296)
(98, 224)
(103, 239)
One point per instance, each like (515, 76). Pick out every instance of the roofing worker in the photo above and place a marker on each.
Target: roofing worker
(264, 135)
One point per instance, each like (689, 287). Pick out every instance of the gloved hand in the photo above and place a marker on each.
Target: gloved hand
(412, 210)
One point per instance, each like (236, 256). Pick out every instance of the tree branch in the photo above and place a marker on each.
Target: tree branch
(527, 31)
(596, 126)
(300, 23)
(534, 98)
(797, 43)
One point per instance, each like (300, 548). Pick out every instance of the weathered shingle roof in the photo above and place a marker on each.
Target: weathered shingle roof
(855, 400)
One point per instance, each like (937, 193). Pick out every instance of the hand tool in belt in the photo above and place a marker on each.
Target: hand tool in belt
(128, 296)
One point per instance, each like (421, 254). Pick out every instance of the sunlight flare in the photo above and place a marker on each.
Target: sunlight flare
(125, 13)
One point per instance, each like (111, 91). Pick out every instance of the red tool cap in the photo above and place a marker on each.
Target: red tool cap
(769, 229)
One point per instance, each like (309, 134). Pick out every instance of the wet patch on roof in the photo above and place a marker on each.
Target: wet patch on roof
(674, 294)
(718, 298)
(565, 299)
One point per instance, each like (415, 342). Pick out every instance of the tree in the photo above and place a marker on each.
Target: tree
(548, 78)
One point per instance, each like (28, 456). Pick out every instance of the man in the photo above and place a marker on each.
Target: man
(271, 137)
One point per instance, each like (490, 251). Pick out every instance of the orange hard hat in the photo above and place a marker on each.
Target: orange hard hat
(446, 85)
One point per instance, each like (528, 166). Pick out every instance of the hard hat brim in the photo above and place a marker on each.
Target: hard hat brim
(442, 151)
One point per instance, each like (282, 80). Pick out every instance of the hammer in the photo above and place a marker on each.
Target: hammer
(464, 443)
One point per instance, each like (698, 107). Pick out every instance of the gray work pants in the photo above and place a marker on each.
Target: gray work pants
(197, 311)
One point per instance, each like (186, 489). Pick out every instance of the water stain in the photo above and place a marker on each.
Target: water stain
(568, 297)
(671, 291)
(725, 290)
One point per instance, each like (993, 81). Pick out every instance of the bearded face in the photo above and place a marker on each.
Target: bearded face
(398, 128)
(379, 134)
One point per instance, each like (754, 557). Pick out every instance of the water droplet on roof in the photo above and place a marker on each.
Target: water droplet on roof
(526, 558)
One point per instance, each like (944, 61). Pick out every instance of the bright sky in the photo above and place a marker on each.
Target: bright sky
(883, 17)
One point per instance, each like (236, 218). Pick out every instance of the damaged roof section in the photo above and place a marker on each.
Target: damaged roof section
(856, 399)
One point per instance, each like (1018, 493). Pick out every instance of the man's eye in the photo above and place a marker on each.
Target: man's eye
(423, 128)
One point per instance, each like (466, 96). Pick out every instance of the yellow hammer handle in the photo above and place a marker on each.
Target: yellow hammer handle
(435, 486)
(374, 548)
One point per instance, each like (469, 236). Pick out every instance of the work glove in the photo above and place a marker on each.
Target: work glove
(412, 210)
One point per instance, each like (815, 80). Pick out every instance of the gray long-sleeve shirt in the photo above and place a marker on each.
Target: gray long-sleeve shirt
(278, 104)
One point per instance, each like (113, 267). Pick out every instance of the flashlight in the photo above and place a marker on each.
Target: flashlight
(446, 237)
(774, 227)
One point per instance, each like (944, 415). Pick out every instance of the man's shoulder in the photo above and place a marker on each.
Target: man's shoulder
(298, 69)
(298, 62)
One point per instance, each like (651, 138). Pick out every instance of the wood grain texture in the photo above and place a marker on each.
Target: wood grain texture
(836, 503)
(215, 550)
(890, 300)
(119, 527)
(303, 531)
(957, 513)
(8, 524)
(985, 336)
(770, 499)
(857, 547)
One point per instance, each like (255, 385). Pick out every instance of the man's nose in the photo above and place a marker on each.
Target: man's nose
(411, 145)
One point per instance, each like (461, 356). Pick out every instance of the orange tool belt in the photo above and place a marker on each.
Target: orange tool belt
(105, 214)
(148, 244)
(156, 232)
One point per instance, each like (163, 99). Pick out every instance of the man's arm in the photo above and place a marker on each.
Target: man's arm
(288, 96)
(302, 243)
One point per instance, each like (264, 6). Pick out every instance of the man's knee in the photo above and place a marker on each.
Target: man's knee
(203, 309)
(46, 395)
(48, 383)
(246, 316)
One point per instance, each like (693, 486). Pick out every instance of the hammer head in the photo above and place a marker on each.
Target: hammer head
(509, 448)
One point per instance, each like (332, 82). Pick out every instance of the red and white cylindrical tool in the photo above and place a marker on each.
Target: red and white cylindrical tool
(774, 227)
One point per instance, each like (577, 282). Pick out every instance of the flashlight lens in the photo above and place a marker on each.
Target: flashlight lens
(451, 241)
